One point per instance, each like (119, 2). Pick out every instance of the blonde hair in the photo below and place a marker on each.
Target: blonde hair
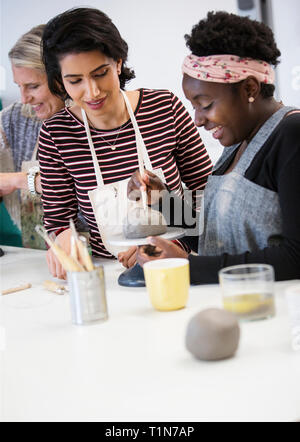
(27, 51)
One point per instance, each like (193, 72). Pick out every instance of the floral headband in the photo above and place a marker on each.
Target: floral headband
(227, 69)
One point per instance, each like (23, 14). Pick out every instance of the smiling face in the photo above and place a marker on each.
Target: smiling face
(219, 109)
(92, 81)
(34, 91)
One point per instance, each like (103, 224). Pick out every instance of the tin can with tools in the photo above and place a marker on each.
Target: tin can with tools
(88, 296)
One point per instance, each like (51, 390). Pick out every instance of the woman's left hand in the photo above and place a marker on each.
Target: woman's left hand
(163, 249)
(128, 258)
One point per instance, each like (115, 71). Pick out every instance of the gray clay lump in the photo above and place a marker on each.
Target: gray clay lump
(212, 335)
(141, 223)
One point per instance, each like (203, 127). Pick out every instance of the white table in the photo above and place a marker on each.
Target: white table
(134, 367)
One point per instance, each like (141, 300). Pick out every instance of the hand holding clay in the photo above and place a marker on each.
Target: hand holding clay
(149, 183)
(163, 249)
(212, 335)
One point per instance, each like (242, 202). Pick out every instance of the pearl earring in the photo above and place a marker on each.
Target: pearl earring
(251, 100)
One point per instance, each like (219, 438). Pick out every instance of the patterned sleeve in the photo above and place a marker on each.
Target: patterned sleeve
(192, 158)
(6, 159)
(59, 196)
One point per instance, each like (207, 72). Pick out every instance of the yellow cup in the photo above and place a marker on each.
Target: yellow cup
(168, 282)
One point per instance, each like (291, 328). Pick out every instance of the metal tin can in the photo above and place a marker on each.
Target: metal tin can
(88, 296)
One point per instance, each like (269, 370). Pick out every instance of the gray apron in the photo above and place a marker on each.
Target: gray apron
(239, 215)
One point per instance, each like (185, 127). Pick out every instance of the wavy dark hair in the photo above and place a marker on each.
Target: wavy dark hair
(224, 33)
(81, 30)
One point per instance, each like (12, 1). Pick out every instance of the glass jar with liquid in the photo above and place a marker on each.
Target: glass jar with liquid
(248, 291)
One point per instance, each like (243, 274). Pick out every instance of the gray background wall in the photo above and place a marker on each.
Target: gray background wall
(154, 30)
(286, 25)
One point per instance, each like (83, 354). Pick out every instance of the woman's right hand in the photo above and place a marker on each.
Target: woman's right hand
(55, 268)
(149, 182)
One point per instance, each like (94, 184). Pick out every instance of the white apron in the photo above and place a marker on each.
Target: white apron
(109, 201)
(240, 215)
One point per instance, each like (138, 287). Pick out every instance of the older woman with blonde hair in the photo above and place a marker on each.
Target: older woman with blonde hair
(19, 130)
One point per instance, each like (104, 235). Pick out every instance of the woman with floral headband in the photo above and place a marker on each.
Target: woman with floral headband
(251, 201)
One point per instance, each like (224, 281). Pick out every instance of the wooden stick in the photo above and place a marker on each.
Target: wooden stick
(144, 199)
(75, 251)
(16, 289)
(143, 192)
(84, 254)
(73, 248)
(73, 229)
(66, 261)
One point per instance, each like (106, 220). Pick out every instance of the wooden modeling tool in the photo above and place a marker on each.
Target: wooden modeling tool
(81, 246)
(66, 261)
(55, 288)
(16, 289)
(85, 256)
(143, 192)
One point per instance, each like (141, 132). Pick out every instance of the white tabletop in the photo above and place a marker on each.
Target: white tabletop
(134, 367)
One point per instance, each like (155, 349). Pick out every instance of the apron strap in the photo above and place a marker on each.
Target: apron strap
(98, 173)
(143, 157)
(260, 138)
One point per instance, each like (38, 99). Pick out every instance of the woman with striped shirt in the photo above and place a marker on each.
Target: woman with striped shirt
(85, 59)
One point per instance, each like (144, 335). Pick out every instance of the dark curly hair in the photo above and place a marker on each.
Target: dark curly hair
(224, 33)
(81, 30)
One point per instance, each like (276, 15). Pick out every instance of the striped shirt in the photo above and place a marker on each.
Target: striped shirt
(67, 173)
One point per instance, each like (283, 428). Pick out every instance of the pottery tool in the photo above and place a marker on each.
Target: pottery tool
(81, 246)
(75, 246)
(73, 230)
(73, 252)
(66, 261)
(16, 289)
(84, 253)
(55, 288)
(142, 171)
(143, 192)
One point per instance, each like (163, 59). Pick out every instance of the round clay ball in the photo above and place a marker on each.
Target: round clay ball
(212, 335)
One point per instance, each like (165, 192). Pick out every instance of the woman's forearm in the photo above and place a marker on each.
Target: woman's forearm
(9, 182)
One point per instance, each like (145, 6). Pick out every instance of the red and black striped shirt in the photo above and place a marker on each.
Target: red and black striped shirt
(67, 173)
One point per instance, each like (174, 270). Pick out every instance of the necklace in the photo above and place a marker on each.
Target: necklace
(112, 145)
